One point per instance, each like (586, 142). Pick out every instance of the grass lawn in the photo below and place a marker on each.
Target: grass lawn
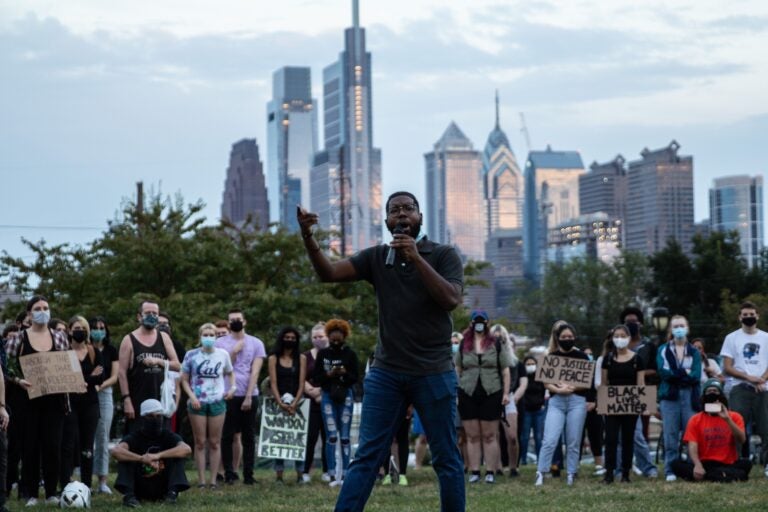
(505, 495)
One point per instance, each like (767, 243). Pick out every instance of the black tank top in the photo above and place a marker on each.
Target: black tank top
(60, 399)
(144, 381)
(287, 378)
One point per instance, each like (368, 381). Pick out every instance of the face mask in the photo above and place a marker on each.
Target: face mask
(208, 341)
(336, 345)
(149, 321)
(320, 343)
(98, 335)
(749, 321)
(634, 329)
(236, 325)
(41, 317)
(79, 336)
(711, 398)
(454, 348)
(152, 426)
(566, 345)
(479, 327)
(621, 343)
(530, 368)
(164, 328)
(679, 332)
(290, 344)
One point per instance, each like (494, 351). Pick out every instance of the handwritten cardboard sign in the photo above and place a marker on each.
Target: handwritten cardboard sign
(565, 370)
(283, 436)
(614, 400)
(52, 372)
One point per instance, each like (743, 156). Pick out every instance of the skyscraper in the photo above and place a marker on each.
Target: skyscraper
(291, 142)
(551, 197)
(604, 189)
(454, 202)
(503, 181)
(244, 190)
(348, 132)
(659, 200)
(736, 203)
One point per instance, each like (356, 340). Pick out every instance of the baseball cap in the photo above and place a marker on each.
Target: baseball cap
(151, 406)
(478, 313)
(712, 383)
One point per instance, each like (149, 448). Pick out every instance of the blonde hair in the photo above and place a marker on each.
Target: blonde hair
(507, 342)
(669, 327)
(207, 325)
(77, 319)
(319, 326)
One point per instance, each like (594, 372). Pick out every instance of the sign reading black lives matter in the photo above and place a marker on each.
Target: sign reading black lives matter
(565, 370)
(613, 400)
(283, 436)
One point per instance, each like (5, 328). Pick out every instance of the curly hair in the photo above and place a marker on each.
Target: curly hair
(337, 324)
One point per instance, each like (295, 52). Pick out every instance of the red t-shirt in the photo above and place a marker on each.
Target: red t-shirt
(713, 436)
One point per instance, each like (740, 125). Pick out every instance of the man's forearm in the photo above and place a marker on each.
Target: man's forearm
(738, 434)
(254, 377)
(444, 292)
(317, 257)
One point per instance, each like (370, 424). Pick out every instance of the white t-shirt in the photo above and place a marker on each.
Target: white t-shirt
(206, 372)
(749, 353)
(713, 366)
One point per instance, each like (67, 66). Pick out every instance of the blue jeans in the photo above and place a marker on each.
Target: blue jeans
(101, 439)
(564, 412)
(387, 396)
(337, 419)
(642, 452)
(674, 418)
(532, 420)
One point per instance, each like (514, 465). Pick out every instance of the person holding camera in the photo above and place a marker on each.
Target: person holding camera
(335, 373)
(713, 437)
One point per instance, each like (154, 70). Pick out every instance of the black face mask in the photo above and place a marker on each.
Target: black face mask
(79, 336)
(749, 321)
(336, 346)
(289, 344)
(711, 398)
(236, 325)
(152, 426)
(566, 345)
(164, 328)
(634, 329)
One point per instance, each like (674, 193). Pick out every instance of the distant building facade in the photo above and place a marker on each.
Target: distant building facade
(736, 204)
(454, 206)
(245, 192)
(291, 143)
(660, 200)
(595, 236)
(551, 197)
(604, 189)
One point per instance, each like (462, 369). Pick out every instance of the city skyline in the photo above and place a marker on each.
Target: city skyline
(97, 96)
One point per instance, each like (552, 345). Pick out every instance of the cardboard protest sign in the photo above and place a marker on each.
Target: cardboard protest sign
(283, 436)
(52, 372)
(565, 370)
(613, 400)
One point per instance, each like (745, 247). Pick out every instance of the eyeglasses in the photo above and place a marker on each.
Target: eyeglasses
(407, 208)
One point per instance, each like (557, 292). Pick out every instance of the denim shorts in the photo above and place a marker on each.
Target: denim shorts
(208, 409)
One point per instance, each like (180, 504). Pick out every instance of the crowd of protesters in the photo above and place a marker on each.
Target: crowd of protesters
(708, 406)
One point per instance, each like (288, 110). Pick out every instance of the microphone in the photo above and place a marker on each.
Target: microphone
(389, 262)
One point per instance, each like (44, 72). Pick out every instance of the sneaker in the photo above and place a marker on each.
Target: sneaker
(306, 478)
(652, 474)
(31, 502)
(230, 477)
(599, 470)
(539, 479)
(402, 481)
(326, 477)
(671, 478)
(387, 480)
(219, 477)
(636, 470)
(513, 473)
(131, 502)
(52, 500)
(766, 471)
(335, 483)
(248, 480)
(104, 488)
(490, 478)
(570, 478)
(474, 478)
(171, 498)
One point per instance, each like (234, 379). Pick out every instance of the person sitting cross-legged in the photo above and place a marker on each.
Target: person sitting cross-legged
(151, 460)
(713, 436)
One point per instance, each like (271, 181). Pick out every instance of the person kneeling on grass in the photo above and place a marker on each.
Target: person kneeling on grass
(713, 437)
(151, 460)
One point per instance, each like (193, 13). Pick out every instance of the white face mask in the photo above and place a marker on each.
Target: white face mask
(621, 342)
(530, 368)
(479, 327)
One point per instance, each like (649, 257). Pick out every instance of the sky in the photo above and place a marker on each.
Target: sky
(95, 96)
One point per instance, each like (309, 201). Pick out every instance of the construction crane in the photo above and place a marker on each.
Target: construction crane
(524, 131)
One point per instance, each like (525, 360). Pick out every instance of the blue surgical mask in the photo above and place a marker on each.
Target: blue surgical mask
(208, 341)
(679, 332)
(41, 317)
(98, 335)
(479, 327)
(454, 347)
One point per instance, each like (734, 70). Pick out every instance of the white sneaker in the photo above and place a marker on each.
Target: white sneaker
(53, 500)
(306, 478)
(326, 477)
(599, 470)
(636, 470)
(473, 478)
(766, 471)
(671, 478)
(31, 502)
(104, 488)
(539, 479)
(335, 483)
(570, 478)
(489, 478)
